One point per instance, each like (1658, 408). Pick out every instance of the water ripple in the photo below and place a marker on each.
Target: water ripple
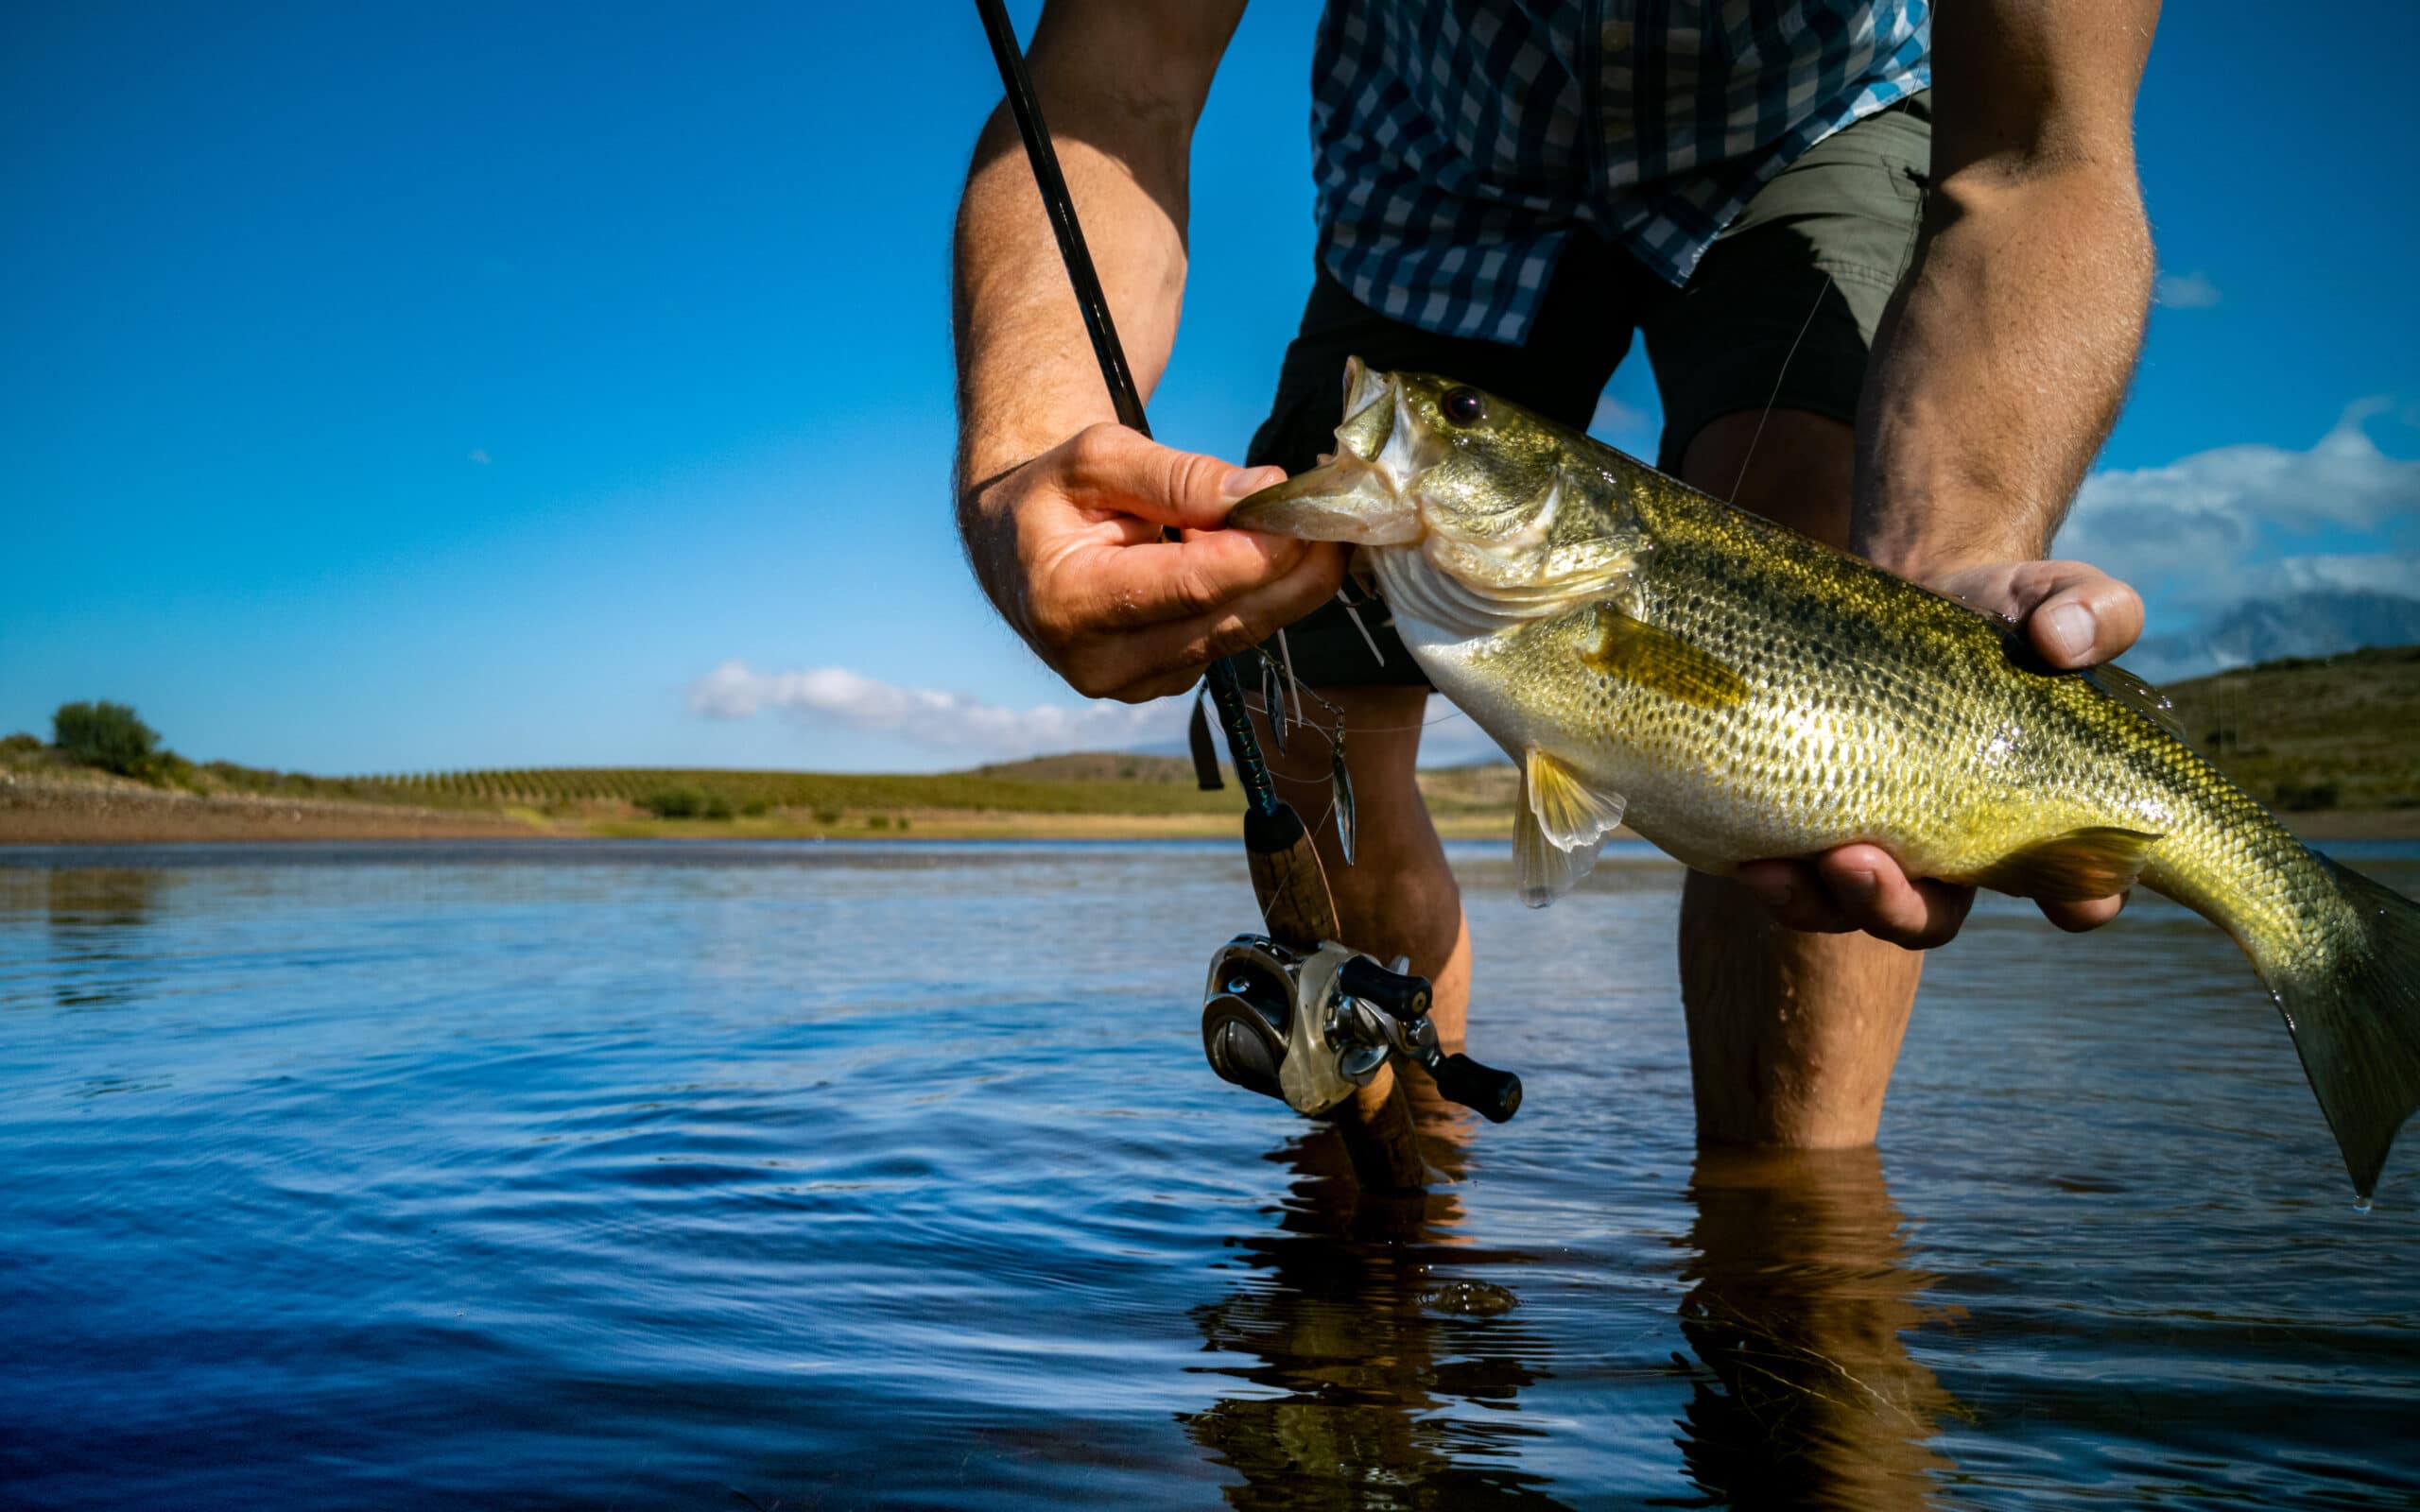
(588, 1176)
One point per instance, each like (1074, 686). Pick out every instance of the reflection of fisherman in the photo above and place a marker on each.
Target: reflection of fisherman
(1352, 1360)
(1505, 191)
(1798, 1295)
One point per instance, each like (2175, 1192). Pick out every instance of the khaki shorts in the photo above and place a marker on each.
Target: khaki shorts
(1819, 250)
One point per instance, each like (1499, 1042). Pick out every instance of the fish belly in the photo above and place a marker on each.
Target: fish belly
(1527, 696)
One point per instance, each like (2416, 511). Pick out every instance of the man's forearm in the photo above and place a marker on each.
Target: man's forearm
(1027, 378)
(1121, 87)
(2000, 365)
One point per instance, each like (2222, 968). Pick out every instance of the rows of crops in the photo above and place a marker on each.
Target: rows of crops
(570, 786)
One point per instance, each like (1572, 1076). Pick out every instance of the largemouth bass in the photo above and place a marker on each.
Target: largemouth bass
(1736, 691)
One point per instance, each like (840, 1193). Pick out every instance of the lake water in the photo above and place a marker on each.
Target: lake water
(753, 1175)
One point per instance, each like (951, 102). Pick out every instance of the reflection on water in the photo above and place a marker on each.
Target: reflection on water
(837, 1176)
(1358, 1345)
(100, 898)
(1803, 1393)
(1799, 1296)
(95, 915)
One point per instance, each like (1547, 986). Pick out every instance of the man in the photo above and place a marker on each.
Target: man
(1891, 272)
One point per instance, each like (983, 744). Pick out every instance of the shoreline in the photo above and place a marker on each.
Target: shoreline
(45, 812)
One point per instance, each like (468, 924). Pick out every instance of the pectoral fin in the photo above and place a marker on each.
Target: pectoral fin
(1563, 824)
(2075, 867)
(1636, 651)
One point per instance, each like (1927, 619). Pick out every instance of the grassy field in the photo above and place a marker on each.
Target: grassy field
(2305, 735)
(2330, 743)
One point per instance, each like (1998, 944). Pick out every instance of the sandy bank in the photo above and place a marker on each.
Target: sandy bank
(95, 810)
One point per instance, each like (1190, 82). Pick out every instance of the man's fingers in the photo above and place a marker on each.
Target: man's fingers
(1794, 895)
(2081, 617)
(1879, 898)
(2075, 614)
(1156, 659)
(2077, 917)
(1137, 587)
(1859, 888)
(1113, 469)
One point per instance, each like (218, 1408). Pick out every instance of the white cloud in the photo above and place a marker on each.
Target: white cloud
(957, 723)
(929, 716)
(479, 454)
(2210, 526)
(2186, 291)
(2386, 571)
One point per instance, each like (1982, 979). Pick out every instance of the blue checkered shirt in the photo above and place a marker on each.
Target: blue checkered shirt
(1458, 143)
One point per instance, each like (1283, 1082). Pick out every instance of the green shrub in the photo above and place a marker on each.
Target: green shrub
(106, 735)
(685, 801)
(673, 803)
(20, 744)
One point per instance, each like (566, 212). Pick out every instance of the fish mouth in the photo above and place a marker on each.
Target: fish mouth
(1363, 494)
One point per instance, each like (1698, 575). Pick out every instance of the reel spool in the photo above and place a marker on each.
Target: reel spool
(1311, 1029)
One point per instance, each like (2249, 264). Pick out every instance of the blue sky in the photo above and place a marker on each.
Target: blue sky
(455, 387)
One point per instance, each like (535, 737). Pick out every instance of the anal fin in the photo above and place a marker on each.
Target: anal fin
(2073, 867)
(1562, 826)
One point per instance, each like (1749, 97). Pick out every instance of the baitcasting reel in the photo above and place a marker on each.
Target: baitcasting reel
(1309, 1029)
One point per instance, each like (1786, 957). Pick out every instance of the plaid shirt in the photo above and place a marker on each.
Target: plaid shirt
(1459, 142)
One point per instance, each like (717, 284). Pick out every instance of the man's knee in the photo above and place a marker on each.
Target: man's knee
(1790, 465)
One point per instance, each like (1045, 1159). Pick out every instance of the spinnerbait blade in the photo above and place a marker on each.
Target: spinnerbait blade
(1272, 700)
(1342, 779)
(1205, 755)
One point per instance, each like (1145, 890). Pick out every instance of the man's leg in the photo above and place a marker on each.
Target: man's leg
(1398, 897)
(1792, 1036)
(1761, 359)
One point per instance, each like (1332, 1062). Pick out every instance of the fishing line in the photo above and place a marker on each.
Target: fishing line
(1804, 326)
(1298, 723)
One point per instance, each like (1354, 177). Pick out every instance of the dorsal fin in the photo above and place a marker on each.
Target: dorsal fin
(2132, 691)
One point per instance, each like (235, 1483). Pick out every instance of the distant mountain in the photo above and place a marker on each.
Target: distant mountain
(2318, 621)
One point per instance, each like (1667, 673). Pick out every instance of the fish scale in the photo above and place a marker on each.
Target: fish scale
(1734, 690)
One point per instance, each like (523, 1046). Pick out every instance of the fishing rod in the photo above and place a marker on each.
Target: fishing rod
(1295, 1014)
(1287, 875)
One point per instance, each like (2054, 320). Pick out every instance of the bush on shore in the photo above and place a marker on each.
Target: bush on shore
(685, 802)
(106, 735)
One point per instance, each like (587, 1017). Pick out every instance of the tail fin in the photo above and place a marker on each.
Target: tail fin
(2357, 1022)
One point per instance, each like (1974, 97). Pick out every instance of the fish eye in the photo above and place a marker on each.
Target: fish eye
(1464, 406)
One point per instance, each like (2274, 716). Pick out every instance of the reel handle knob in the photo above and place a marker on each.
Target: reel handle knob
(1400, 994)
(1495, 1096)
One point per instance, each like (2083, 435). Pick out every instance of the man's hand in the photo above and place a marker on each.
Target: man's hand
(2075, 616)
(1068, 546)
